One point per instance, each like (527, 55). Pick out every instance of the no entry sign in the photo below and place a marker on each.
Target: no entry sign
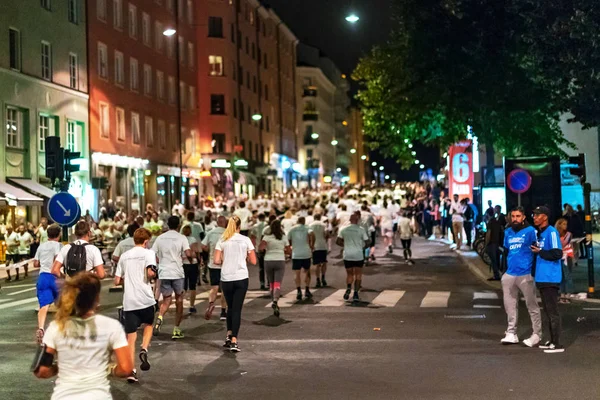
(519, 181)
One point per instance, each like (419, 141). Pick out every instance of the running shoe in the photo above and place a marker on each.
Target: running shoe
(299, 295)
(554, 349)
(133, 377)
(390, 249)
(347, 294)
(355, 297)
(209, 311)
(193, 310)
(145, 366)
(318, 285)
(39, 336)
(275, 309)
(546, 345)
(157, 325)
(307, 294)
(223, 316)
(533, 341)
(227, 343)
(177, 334)
(510, 338)
(234, 348)
(323, 282)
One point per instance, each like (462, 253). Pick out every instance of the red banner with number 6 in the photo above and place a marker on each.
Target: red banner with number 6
(461, 169)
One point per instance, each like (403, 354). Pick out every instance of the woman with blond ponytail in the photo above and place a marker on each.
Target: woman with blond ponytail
(85, 343)
(232, 252)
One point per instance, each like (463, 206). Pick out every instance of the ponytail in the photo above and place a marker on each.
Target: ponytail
(232, 227)
(77, 298)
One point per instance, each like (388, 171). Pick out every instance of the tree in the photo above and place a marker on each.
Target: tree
(449, 64)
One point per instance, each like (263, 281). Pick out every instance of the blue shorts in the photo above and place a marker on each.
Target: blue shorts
(47, 292)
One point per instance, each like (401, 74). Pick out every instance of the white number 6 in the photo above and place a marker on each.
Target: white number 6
(460, 167)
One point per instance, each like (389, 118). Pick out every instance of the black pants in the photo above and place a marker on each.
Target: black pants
(494, 253)
(468, 225)
(235, 293)
(549, 296)
(261, 267)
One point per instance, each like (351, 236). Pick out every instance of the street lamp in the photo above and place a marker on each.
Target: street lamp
(374, 163)
(414, 153)
(256, 117)
(352, 18)
(381, 168)
(314, 135)
(406, 140)
(387, 177)
(169, 32)
(410, 145)
(338, 169)
(334, 142)
(352, 151)
(422, 166)
(363, 157)
(417, 162)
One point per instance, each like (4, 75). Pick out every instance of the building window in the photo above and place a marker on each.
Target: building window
(267, 124)
(133, 21)
(235, 108)
(119, 69)
(147, 80)
(47, 4)
(194, 141)
(249, 115)
(149, 131)
(215, 27)
(217, 104)
(72, 136)
(162, 134)
(250, 149)
(253, 51)
(266, 92)
(254, 84)
(181, 50)
(158, 36)
(180, 9)
(120, 124)
(160, 85)
(135, 127)
(134, 83)
(14, 120)
(233, 71)
(46, 61)
(118, 14)
(146, 29)
(182, 95)
(192, 95)
(191, 55)
(232, 33)
(218, 143)
(173, 134)
(248, 79)
(104, 120)
(171, 47)
(256, 153)
(14, 43)
(170, 5)
(241, 75)
(242, 118)
(215, 65)
(183, 140)
(73, 71)
(247, 45)
(43, 131)
(72, 11)
(190, 12)
(172, 91)
(101, 10)
(102, 61)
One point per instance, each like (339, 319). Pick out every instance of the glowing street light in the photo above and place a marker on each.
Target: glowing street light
(410, 145)
(406, 140)
(352, 151)
(381, 168)
(334, 142)
(363, 157)
(169, 32)
(374, 163)
(314, 135)
(414, 153)
(417, 162)
(352, 18)
(387, 177)
(338, 169)
(256, 117)
(393, 181)
(422, 166)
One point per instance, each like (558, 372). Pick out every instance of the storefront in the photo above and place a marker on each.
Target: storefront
(18, 206)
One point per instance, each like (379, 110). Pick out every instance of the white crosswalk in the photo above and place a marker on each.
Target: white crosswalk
(388, 298)
(435, 300)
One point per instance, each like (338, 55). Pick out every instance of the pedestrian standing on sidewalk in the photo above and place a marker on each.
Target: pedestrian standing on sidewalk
(354, 240)
(494, 238)
(457, 210)
(517, 241)
(233, 252)
(405, 227)
(548, 274)
(566, 285)
(275, 245)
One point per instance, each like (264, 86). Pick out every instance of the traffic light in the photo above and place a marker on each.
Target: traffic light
(54, 159)
(68, 158)
(577, 166)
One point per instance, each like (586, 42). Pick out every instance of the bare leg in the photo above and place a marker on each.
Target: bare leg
(297, 278)
(131, 338)
(164, 306)
(192, 298)
(146, 337)
(178, 309)
(42, 316)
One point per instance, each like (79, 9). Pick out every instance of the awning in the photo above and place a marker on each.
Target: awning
(22, 198)
(33, 187)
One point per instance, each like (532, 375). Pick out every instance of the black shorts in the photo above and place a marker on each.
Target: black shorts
(319, 257)
(132, 320)
(395, 228)
(354, 264)
(373, 238)
(191, 276)
(215, 276)
(300, 263)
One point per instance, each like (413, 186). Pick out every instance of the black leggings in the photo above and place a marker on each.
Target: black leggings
(235, 293)
(549, 295)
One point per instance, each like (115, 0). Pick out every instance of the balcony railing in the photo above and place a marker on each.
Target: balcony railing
(310, 91)
(310, 115)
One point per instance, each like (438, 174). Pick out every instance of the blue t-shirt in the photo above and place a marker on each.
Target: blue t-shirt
(548, 271)
(520, 256)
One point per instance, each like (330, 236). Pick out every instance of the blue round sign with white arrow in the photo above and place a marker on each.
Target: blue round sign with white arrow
(64, 209)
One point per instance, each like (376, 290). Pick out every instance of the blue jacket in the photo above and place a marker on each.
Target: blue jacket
(520, 257)
(548, 264)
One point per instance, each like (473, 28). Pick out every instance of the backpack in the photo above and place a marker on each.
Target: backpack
(76, 259)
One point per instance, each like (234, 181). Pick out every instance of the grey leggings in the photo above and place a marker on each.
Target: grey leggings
(275, 271)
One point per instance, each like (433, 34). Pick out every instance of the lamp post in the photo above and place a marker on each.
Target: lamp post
(334, 143)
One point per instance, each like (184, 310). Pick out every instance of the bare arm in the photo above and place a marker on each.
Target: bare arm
(262, 246)
(252, 257)
(47, 372)
(56, 268)
(118, 281)
(100, 272)
(124, 362)
(218, 258)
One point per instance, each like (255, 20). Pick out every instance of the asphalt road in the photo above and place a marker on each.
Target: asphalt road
(425, 331)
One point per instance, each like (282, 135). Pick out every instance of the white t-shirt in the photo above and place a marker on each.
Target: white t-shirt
(123, 246)
(343, 218)
(46, 253)
(319, 228)
(93, 257)
(211, 239)
(235, 250)
(42, 234)
(25, 240)
(84, 355)
(137, 293)
(387, 217)
(298, 237)
(194, 260)
(12, 243)
(354, 242)
(275, 248)
(405, 228)
(170, 248)
(287, 224)
(457, 210)
(244, 214)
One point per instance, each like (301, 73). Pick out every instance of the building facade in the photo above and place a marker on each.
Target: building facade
(45, 93)
(358, 169)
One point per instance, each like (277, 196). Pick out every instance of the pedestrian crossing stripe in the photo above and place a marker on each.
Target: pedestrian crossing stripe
(435, 300)
(388, 298)
(22, 291)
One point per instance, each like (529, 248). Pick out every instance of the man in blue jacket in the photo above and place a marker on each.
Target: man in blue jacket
(517, 241)
(548, 274)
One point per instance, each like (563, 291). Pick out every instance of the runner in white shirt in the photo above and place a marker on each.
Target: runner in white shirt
(41, 232)
(25, 241)
(354, 240)
(191, 267)
(405, 230)
(12, 252)
(47, 291)
(170, 247)
(245, 216)
(125, 244)
(457, 210)
(232, 252)
(84, 343)
(135, 270)
(386, 216)
(276, 246)
(301, 254)
(209, 243)
(93, 262)
(288, 221)
(318, 235)
(343, 217)
(367, 222)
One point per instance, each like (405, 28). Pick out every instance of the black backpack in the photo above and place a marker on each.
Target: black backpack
(76, 259)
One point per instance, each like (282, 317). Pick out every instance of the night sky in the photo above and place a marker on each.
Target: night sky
(321, 23)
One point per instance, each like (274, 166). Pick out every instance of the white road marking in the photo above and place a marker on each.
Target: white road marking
(289, 299)
(485, 296)
(485, 306)
(4, 300)
(334, 300)
(18, 303)
(19, 286)
(435, 300)
(21, 291)
(591, 309)
(478, 316)
(388, 298)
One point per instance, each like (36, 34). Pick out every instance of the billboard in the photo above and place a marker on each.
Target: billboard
(460, 174)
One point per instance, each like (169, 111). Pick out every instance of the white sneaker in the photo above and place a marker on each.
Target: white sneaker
(510, 338)
(432, 237)
(533, 341)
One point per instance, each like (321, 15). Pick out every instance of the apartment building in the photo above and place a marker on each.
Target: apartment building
(45, 93)
(143, 119)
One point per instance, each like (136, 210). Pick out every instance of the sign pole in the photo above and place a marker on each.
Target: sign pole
(65, 234)
(519, 199)
(589, 244)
